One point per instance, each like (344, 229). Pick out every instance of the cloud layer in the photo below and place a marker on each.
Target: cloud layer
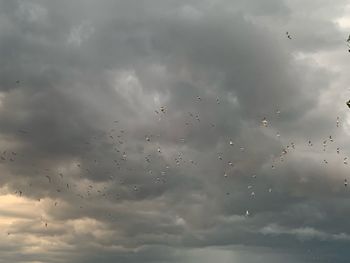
(174, 131)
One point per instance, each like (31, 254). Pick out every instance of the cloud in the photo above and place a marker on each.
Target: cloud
(303, 233)
(116, 119)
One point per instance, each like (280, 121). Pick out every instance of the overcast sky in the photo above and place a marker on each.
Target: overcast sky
(192, 131)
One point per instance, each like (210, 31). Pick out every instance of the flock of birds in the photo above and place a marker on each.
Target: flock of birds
(118, 139)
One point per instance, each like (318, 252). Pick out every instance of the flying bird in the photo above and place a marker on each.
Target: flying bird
(48, 177)
(288, 35)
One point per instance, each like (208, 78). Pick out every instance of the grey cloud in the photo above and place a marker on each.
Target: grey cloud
(82, 88)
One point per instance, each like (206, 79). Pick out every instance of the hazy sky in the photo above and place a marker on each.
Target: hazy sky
(174, 131)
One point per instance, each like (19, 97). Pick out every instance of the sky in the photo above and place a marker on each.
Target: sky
(166, 131)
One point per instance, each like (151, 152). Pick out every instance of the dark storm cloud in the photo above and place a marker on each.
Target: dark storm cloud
(80, 84)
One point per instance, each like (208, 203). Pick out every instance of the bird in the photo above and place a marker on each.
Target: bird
(48, 177)
(289, 37)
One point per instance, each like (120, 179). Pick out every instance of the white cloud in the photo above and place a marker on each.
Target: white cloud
(304, 233)
(80, 33)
